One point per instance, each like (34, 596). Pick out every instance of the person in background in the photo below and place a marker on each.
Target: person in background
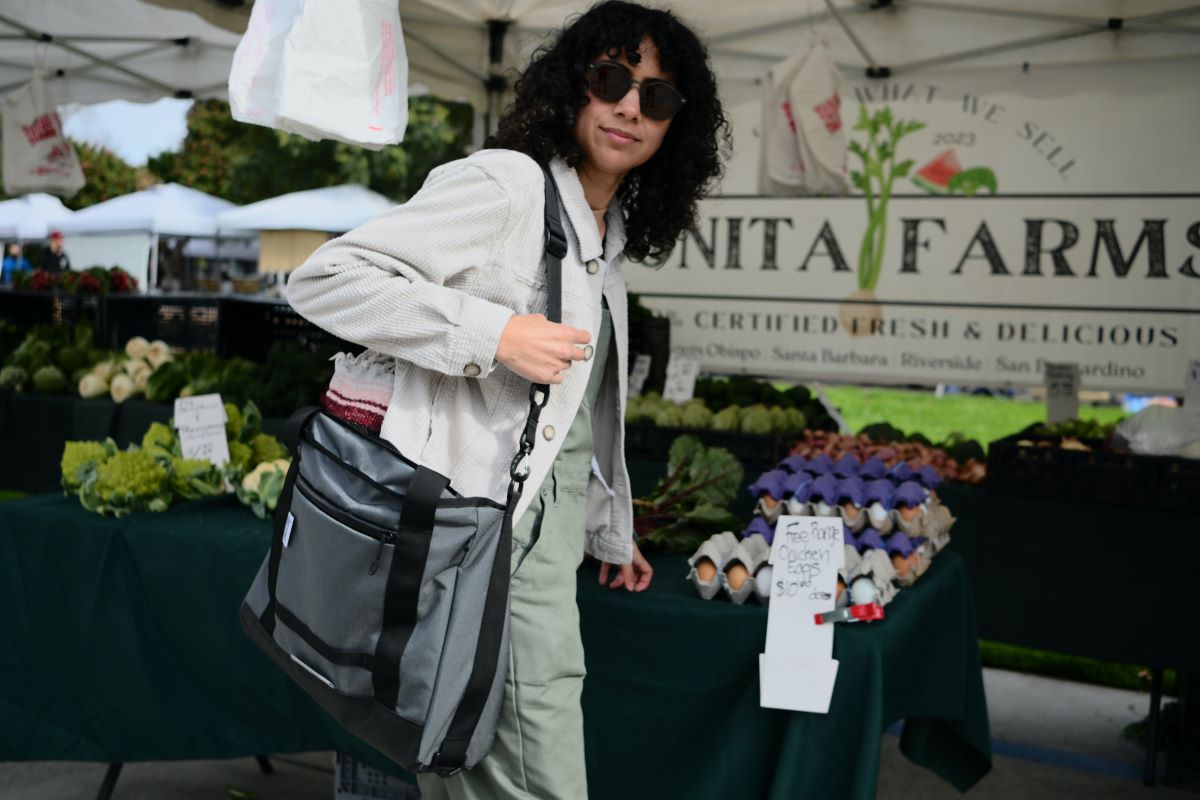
(13, 262)
(54, 259)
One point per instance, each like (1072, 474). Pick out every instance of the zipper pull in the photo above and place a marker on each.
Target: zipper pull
(387, 537)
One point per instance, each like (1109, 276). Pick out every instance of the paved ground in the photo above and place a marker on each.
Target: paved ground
(1052, 739)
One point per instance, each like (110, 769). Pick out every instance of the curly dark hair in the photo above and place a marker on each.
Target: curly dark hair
(659, 197)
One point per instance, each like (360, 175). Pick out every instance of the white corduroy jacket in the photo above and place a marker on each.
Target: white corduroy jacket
(432, 284)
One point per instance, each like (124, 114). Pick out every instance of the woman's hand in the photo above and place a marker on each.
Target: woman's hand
(635, 576)
(537, 349)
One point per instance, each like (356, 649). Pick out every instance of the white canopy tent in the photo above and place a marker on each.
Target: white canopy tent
(33, 216)
(126, 228)
(333, 209)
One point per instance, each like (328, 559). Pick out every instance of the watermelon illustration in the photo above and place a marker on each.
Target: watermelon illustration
(935, 176)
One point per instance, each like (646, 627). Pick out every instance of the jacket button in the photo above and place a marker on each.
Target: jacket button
(593, 267)
(472, 370)
(548, 433)
(587, 352)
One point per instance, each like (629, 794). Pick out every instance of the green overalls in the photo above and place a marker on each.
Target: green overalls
(538, 752)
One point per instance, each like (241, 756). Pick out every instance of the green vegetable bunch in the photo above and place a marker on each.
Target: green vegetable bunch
(129, 480)
(692, 501)
(50, 358)
(695, 415)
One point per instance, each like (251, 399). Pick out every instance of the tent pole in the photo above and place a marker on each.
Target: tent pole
(496, 83)
(153, 263)
(871, 65)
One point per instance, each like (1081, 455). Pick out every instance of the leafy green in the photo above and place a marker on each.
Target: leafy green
(692, 501)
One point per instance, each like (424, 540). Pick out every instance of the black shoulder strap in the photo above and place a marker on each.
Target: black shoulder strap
(452, 755)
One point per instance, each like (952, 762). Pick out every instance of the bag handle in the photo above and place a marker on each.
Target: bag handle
(554, 242)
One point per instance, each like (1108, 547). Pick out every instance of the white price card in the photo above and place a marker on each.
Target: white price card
(637, 378)
(200, 421)
(1191, 387)
(681, 379)
(1062, 392)
(797, 669)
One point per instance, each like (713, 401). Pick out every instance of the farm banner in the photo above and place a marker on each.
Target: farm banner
(980, 291)
(992, 228)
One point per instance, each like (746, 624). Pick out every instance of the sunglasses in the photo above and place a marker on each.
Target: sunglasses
(610, 81)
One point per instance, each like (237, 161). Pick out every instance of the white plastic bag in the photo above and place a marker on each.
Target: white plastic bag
(325, 69)
(37, 156)
(1161, 431)
(803, 139)
(254, 75)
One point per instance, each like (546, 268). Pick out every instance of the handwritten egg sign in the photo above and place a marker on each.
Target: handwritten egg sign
(797, 670)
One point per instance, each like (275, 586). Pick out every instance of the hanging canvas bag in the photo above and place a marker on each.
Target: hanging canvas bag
(385, 593)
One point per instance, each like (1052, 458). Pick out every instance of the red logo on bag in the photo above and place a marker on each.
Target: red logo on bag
(830, 114)
(387, 60)
(42, 128)
(787, 112)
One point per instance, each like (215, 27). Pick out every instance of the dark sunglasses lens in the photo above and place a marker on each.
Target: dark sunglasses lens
(660, 100)
(609, 82)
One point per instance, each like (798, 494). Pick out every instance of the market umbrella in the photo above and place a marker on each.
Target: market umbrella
(33, 216)
(332, 209)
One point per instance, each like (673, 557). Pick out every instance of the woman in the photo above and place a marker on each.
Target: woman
(622, 108)
(14, 262)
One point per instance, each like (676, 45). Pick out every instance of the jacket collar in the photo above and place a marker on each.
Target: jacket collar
(587, 235)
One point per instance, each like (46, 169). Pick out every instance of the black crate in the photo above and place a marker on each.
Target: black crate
(757, 453)
(186, 320)
(250, 326)
(26, 307)
(1041, 467)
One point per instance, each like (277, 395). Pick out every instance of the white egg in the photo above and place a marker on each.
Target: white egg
(762, 582)
(878, 513)
(863, 591)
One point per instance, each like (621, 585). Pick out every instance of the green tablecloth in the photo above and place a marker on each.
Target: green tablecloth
(120, 642)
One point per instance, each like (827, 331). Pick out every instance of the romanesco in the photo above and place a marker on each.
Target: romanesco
(79, 456)
(267, 448)
(130, 480)
(159, 441)
(233, 423)
(240, 455)
(193, 478)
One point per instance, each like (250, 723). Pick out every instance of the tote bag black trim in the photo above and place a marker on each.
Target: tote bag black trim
(385, 593)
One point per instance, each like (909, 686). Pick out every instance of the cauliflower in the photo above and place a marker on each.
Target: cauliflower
(13, 379)
(267, 448)
(160, 442)
(727, 419)
(129, 480)
(193, 478)
(93, 385)
(697, 416)
(260, 489)
(233, 423)
(79, 456)
(137, 347)
(669, 416)
(49, 380)
(122, 388)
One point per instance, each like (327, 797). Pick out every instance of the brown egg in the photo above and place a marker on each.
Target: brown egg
(769, 502)
(902, 564)
(736, 575)
(907, 513)
(841, 587)
(706, 570)
(850, 508)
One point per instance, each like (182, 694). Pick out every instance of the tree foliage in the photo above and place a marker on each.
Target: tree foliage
(107, 175)
(245, 163)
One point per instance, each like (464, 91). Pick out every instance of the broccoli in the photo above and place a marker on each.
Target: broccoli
(79, 456)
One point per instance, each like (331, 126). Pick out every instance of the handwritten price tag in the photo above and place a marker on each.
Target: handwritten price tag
(637, 378)
(681, 379)
(797, 670)
(1062, 392)
(200, 421)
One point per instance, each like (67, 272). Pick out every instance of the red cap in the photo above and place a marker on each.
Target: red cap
(56, 234)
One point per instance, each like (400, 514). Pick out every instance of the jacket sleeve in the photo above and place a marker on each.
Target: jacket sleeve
(391, 283)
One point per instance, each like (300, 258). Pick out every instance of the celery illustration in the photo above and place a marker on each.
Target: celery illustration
(880, 171)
